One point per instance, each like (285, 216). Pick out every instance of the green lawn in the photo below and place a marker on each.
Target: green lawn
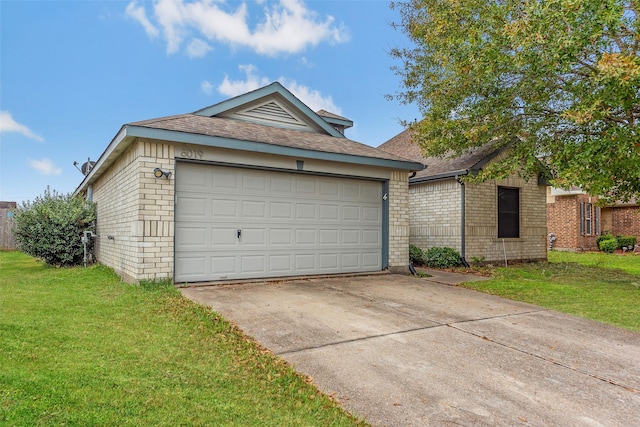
(79, 347)
(598, 286)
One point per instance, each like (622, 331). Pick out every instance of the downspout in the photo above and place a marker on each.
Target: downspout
(90, 193)
(462, 222)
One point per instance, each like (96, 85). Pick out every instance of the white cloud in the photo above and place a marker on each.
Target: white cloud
(310, 97)
(197, 48)
(45, 167)
(238, 87)
(8, 124)
(138, 13)
(286, 26)
(206, 87)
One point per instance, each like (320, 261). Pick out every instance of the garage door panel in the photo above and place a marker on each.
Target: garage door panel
(370, 260)
(350, 260)
(280, 236)
(252, 264)
(281, 184)
(290, 224)
(305, 186)
(252, 237)
(224, 236)
(281, 264)
(223, 265)
(305, 236)
(371, 237)
(189, 237)
(224, 208)
(350, 213)
(328, 237)
(350, 237)
(281, 210)
(305, 263)
(305, 211)
(254, 209)
(372, 214)
(222, 179)
(195, 206)
(329, 212)
(253, 182)
(328, 261)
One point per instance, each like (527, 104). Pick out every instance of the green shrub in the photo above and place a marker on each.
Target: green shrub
(626, 241)
(605, 236)
(416, 255)
(608, 245)
(442, 257)
(51, 227)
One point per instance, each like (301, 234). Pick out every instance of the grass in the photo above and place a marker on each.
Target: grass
(597, 286)
(79, 347)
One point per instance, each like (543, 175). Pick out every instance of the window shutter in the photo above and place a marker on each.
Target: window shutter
(597, 220)
(582, 218)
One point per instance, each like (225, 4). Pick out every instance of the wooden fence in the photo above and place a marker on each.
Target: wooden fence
(6, 223)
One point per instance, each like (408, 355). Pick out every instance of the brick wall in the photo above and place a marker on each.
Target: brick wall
(434, 214)
(625, 220)
(135, 213)
(563, 220)
(399, 221)
(435, 219)
(481, 224)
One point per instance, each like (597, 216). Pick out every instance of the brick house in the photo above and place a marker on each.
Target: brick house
(255, 186)
(576, 220)
(485, 221)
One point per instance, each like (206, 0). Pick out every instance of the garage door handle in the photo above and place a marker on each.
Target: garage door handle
(239, 233)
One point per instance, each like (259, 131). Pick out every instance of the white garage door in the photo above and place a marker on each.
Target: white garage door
(234, 223)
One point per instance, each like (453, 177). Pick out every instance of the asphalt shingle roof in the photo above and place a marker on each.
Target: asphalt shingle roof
(404, 146)
(247, 131)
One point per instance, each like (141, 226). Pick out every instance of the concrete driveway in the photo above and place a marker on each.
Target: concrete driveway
(404, 351)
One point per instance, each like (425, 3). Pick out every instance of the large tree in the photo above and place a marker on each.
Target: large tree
(556, 80)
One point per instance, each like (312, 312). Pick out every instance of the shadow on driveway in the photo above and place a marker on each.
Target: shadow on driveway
(404, 351)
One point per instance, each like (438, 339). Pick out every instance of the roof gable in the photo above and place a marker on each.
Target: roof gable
(469, 161)
(272, 105)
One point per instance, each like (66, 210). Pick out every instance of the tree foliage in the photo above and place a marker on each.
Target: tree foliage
(556, 80)
(51, 227)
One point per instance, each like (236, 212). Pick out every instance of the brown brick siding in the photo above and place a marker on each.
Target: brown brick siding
(625, 220)
(563, 220)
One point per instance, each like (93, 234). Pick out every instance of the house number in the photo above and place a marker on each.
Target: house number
(191, 154)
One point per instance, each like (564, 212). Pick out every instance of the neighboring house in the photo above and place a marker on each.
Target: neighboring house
(490, 221)
(253, 187)
(576, 220)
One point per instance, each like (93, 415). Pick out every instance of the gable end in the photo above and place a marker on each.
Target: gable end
(270, 112)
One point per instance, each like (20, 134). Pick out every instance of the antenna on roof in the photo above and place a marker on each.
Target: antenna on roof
(86, 166)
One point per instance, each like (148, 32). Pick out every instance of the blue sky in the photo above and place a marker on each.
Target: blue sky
(73, 72)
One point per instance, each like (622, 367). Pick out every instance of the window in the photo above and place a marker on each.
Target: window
(589, 219)
(508, 212)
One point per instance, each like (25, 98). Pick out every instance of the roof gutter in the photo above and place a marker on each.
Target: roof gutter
(453, 174)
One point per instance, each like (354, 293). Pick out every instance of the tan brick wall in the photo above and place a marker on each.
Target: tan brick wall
(399, 221)
(434, 214)
(135, 213)
(481, 225)
(435, 218)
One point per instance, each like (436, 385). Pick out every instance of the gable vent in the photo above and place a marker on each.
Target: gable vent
(271, 112)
